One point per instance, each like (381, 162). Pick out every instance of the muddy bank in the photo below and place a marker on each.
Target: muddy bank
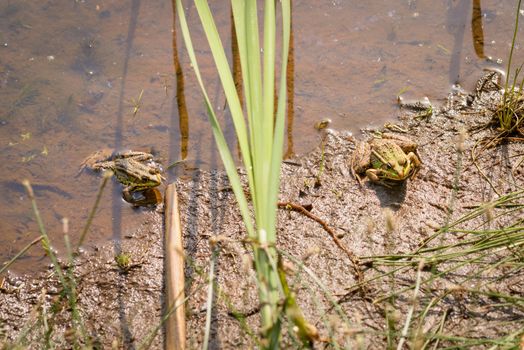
(121, 308)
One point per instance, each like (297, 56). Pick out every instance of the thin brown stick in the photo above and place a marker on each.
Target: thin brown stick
(175, 324)
(352, 256)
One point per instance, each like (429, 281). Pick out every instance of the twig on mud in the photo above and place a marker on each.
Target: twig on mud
(352, 256)
(238, 314)
(494, 143)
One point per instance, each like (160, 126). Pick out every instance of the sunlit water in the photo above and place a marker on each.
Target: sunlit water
(77, 76)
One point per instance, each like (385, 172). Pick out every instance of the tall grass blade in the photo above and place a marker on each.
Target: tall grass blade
(46, 244)
(225, 154)
(20, 253)
(210, 297)
(107, 176)
(260, 141)
(515, 30)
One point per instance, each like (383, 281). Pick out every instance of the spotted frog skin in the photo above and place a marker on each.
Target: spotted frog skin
(387, 161)
(137, 171)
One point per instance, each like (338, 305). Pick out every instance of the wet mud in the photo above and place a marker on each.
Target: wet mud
(122, 307)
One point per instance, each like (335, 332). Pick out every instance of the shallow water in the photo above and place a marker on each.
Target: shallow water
(72, 73)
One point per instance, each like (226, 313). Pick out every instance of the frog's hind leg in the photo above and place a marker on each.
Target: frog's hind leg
(374, 176)
(406, 144)
(360, 160)
(102, 166)
(94, 161)
(138, 156)
(415, 163)
(357, 176)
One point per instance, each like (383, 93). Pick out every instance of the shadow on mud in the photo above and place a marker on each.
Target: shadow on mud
(391, 198)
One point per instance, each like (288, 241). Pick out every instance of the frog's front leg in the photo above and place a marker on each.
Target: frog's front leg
(414, 164)
(377, 176)
(129, 193)
(373, 175)
(414, 159)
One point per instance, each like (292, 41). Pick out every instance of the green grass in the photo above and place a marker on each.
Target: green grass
(442, 254)
(260, 133)
(510, 114)
(68, 294)
(491, 254)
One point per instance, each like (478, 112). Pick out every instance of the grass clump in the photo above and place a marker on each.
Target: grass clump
(465, 266)
(510, 114)
(43, 319)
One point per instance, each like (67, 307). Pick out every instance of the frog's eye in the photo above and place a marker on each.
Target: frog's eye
(392, 163)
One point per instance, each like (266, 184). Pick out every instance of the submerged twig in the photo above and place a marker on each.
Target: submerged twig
(20, 253)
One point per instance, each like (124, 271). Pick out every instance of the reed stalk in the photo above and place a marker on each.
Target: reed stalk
(260, 133)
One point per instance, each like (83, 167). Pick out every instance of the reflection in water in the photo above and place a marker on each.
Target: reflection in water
(476, 29)
(290, 82)
(237, 68)
(456, 25)
(183, 121)
(117, 208)
(181, 107)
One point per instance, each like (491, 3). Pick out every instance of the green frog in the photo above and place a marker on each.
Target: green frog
(137, 171)
(387, 161)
